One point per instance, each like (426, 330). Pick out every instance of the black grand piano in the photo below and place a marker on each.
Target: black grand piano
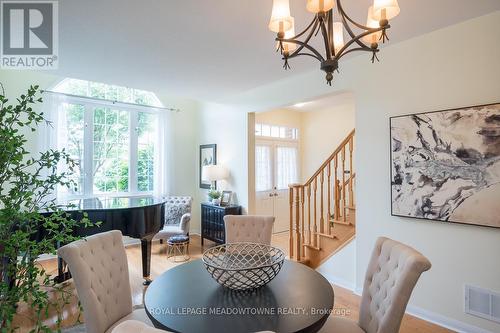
(137, 217)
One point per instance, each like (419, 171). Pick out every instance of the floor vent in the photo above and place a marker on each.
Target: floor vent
(483, 303)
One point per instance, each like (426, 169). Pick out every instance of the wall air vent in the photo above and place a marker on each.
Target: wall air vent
(482, 303)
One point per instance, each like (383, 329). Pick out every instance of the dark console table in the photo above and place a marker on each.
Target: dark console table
(212, 221)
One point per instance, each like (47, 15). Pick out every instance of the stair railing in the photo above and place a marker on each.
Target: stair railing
(323, 200)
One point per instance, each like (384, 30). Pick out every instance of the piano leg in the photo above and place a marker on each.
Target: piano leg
(146, 260)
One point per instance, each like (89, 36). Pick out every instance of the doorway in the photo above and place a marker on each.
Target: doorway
(276, 166)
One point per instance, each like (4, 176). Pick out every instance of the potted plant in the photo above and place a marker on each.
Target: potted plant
(214, 197)
(28, 181)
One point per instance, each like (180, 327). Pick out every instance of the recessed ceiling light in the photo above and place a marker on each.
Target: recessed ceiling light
(299, 105)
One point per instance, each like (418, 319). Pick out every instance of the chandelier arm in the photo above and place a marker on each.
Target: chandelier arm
(302, 45)
(324, 32)
(367, 49)
(356, 39)
(330, 32)
(306, 29)
(308, 54)
(346, 17)
(348, 28)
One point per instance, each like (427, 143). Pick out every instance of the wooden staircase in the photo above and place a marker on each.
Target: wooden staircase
(322, 210)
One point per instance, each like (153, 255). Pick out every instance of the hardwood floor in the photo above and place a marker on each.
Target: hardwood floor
(345, 301)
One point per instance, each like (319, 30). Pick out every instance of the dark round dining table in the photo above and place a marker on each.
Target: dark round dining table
(186, 299)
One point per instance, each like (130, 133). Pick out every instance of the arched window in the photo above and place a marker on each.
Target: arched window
(112, 134)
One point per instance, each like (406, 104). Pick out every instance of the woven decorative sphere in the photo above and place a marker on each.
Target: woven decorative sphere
(243, 266)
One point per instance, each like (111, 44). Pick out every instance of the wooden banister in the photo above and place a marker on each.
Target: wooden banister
(308, 221)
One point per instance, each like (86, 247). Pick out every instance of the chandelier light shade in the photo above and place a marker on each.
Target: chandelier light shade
(338, 36)
(289, 47)
(281, 20)
(317, 6)
(360, 37)
(385, 9)
(371, 22)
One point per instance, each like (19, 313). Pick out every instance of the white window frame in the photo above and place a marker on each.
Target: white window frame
(270, 137)
(89, 105)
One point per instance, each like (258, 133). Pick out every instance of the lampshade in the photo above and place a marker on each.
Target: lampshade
(213, 173)
(316, 6)
(338, 36)
(281, 20)
(390, 7)
(372, 23)
(289, 47)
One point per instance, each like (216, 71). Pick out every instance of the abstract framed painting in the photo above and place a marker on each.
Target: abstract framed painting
(445, 165)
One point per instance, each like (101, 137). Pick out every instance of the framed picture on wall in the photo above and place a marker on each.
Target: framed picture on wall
(445, 165)
(208, 156)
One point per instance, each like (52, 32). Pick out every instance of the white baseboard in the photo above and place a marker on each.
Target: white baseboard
(432, 317)
(444, 321)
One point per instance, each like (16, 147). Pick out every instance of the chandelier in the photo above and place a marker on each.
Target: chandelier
(290, 44)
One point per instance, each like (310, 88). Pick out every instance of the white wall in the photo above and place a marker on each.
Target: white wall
(452, 67)
(228, 128)
(281, 117)
(322, 131)
(340, 268)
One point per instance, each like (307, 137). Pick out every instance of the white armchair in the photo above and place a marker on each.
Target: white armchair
(170, 230)
(177, 218)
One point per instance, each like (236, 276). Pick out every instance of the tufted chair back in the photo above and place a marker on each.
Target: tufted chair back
(99, 268)
(392, 273)
(249, 228)
(175, 208)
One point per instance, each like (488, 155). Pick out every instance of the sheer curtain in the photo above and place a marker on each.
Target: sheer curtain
(160, 183)
(286, 166)
(52, 106)
(263, 176)
(48, 130)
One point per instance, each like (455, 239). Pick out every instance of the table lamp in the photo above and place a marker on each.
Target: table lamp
(213, 173)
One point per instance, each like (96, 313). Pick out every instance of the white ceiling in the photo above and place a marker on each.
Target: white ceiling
(209, 49)
(323, 103)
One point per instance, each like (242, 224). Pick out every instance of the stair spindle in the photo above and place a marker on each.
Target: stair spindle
(328, 170)
(321, 205)
(290, 236)
(302, 220)
(336, 209)
(297, 222)
(351, 191)
(309, 213)
(315, 213)
(343, 186)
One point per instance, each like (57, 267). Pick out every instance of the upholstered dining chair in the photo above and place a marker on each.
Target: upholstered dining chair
(249, 228)
(99, 268)
(392, 273)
